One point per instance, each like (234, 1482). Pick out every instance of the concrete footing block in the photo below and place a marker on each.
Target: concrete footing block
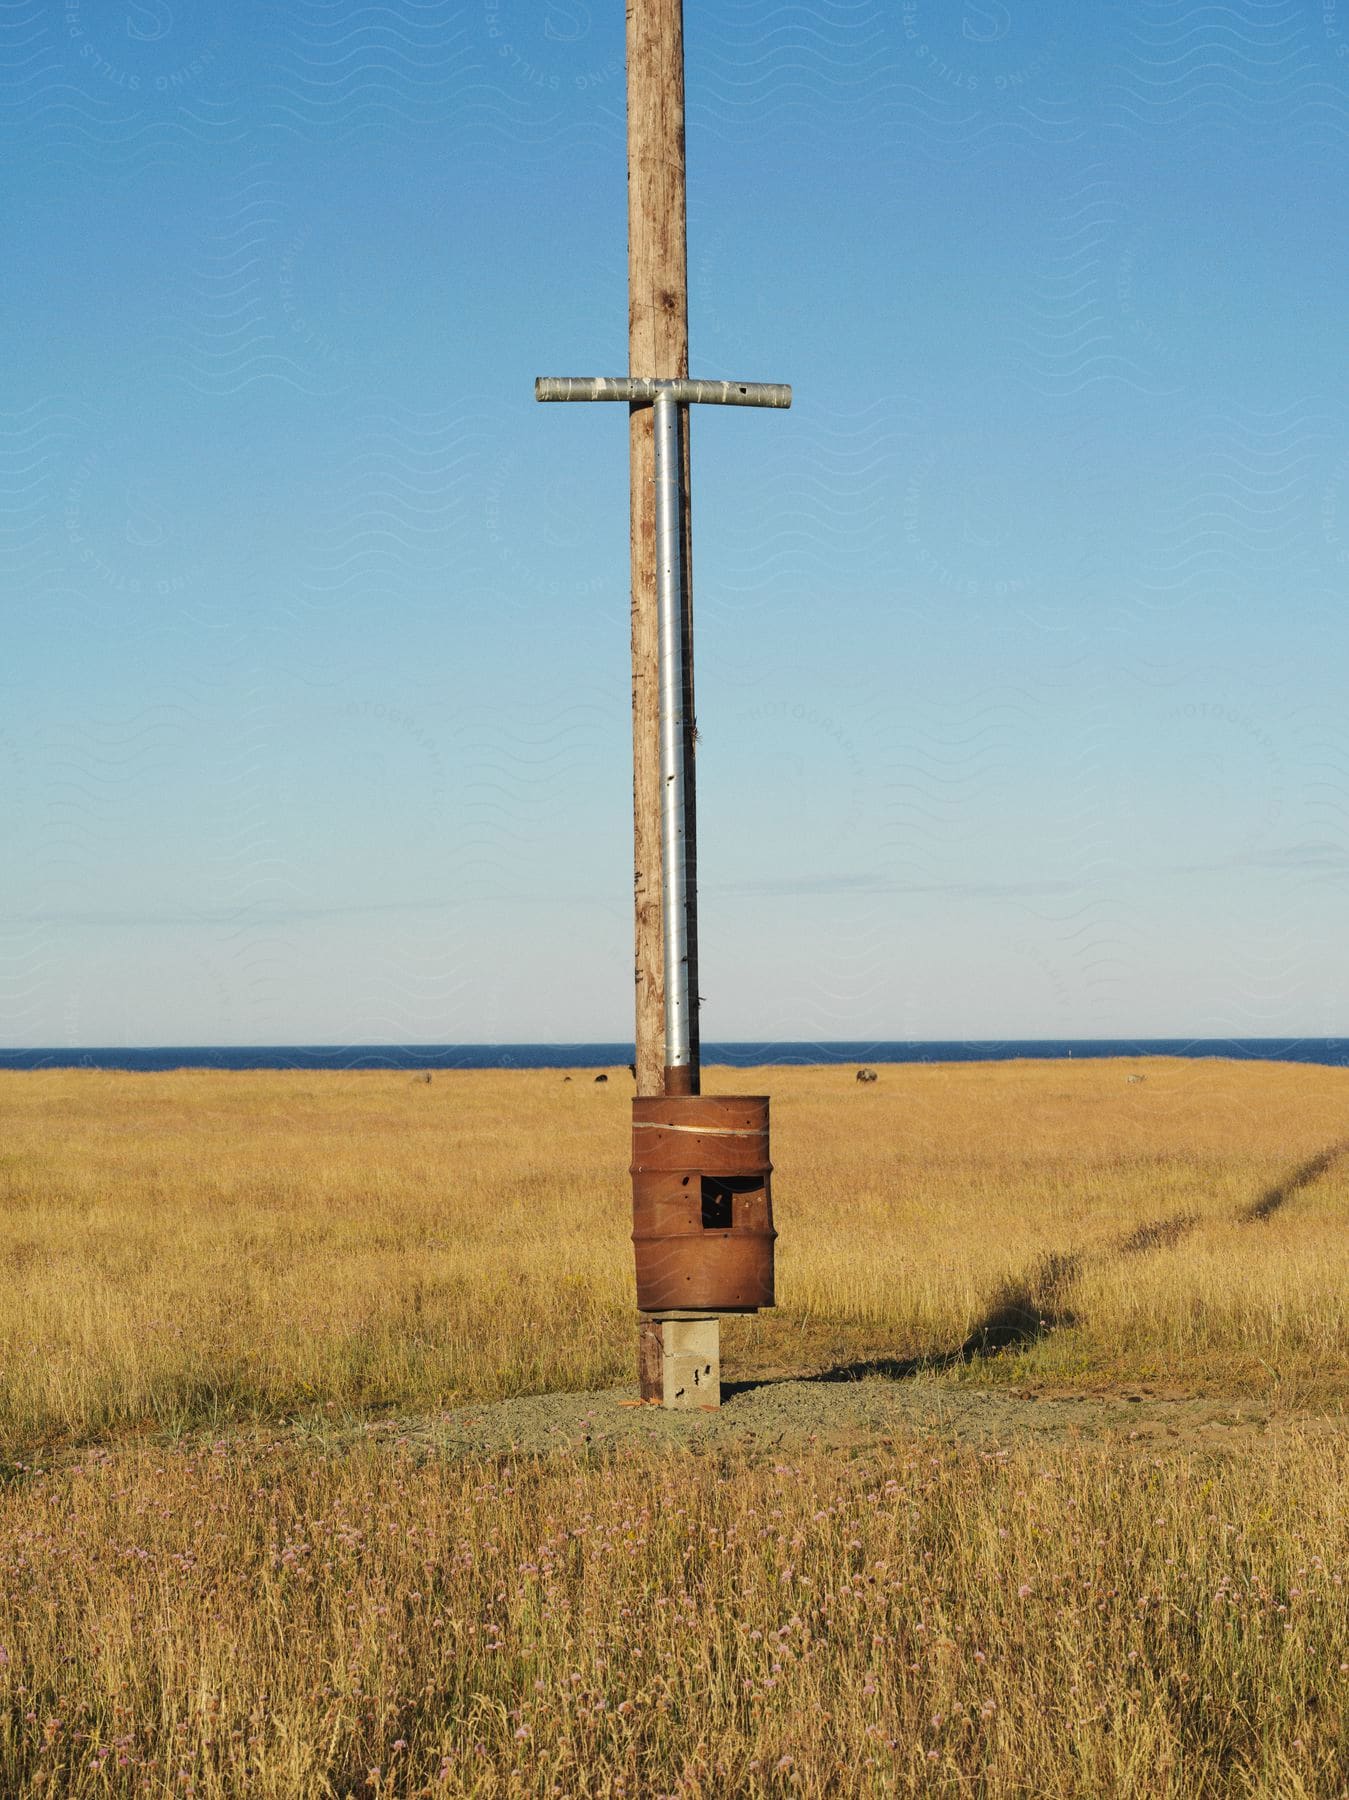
(691, 1362)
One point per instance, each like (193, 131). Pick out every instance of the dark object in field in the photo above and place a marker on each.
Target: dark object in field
(632, 1070)
(702, 1203)
(866, 1075)
(566, 1077)
(601, 1078)
(423, 1079)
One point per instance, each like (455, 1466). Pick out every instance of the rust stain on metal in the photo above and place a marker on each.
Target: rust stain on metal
(683, 1080)
(702, 1203)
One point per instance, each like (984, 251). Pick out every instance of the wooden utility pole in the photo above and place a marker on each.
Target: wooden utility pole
(702, 1229)
(658, 345)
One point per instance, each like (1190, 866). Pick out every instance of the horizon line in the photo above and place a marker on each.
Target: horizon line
(710, 1044)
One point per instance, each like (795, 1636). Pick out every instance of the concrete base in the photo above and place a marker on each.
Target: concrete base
(690, 1360)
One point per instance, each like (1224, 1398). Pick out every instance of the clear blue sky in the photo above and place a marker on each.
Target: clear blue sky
(1022, 638)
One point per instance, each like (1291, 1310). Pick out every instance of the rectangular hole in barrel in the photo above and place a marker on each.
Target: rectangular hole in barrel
(719, 1193)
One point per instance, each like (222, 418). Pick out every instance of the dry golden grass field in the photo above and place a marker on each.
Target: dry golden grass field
(242, 1556)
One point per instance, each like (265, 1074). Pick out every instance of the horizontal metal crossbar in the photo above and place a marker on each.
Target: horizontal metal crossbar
(636, 389)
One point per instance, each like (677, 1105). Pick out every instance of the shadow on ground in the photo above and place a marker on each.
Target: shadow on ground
(1282, 1191)
(1020, 1313)
(1027, 1309)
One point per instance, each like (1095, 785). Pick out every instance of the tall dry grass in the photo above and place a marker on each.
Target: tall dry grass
(196, 1247)
(320, 1613)
(921, 1621)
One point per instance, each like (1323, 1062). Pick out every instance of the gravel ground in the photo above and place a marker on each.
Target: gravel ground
(772, 1414)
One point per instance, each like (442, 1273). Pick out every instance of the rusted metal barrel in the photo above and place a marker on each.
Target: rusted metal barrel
(702, 1203)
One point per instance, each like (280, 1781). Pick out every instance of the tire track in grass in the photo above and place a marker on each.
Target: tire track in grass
(1027, 1307)
(1303, 1176)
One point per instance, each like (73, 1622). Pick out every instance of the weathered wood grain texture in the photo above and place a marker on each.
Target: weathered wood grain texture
(650, 1359)
(657, 346)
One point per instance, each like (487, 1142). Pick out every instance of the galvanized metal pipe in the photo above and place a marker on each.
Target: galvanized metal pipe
(667, 399)
(637, 390)
(675, 779)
